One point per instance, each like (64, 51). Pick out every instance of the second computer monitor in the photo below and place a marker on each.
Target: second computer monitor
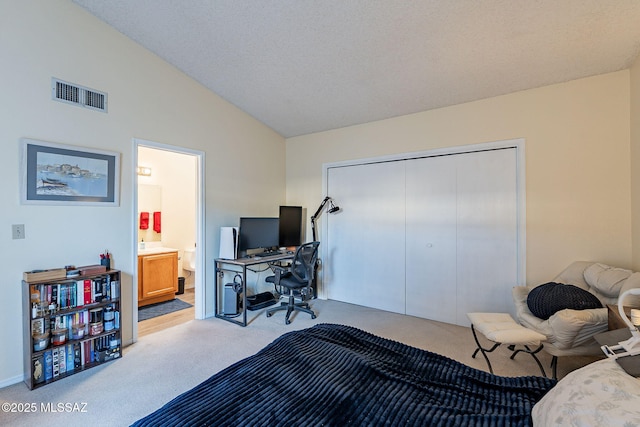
(290, 228)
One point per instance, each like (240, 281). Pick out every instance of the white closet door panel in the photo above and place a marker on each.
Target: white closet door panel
(431, 238)
(366, 242)
(487, 232)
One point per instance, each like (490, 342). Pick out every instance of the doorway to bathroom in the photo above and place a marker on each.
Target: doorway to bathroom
(168, 211)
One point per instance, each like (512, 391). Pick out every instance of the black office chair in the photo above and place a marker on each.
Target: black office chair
(298, 279)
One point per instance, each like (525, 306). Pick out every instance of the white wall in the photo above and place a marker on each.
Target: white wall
(578, 204)
(635, 161)
(148, 99)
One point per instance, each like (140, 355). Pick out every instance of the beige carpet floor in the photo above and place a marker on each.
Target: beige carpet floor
(164, 364)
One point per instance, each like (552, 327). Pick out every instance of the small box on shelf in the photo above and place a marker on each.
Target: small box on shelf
(92, 269)
(39, 275)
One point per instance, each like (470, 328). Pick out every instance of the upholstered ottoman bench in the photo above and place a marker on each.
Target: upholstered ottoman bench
(502, 329)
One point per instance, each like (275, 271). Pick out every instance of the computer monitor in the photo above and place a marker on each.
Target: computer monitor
(290, 229)
(258, 233)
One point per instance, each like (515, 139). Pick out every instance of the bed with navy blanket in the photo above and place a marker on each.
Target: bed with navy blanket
(336, 375)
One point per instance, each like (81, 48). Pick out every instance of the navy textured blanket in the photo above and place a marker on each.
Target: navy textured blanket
(335, 375)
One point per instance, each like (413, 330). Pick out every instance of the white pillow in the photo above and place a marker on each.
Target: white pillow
(607, 280)
(599, 394)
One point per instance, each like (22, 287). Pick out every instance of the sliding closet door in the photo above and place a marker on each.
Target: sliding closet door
(431, 238)
(487, 234)
(366, 239)
(434, 237)
(461, 234)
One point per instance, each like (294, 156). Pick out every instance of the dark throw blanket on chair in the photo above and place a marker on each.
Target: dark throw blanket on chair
(334, 375)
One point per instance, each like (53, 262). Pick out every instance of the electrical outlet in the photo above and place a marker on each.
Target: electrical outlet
(17, 231)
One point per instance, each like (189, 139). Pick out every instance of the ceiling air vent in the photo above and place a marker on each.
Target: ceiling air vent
(78, 95)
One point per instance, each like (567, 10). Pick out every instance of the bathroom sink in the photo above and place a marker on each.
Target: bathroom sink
(155, 250)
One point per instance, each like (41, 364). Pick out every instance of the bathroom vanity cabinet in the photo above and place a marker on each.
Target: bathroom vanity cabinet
(157, 276)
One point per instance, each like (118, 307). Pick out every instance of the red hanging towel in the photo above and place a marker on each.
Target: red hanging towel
(156, 222)
(144, 220)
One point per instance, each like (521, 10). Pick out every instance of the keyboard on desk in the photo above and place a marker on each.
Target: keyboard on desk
(267, 254)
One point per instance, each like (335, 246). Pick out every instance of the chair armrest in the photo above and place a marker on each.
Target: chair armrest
(279, 271)
(525, 317)
(279, 268)
(520, 294)
(572, 328)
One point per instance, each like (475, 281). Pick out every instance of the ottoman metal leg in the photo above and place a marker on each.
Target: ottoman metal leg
(483, 350)
(554, 367)
(526, 349)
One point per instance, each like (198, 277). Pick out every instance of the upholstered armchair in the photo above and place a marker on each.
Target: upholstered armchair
(570, 332)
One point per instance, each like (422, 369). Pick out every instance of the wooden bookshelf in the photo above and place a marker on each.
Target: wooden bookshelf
(70, 325)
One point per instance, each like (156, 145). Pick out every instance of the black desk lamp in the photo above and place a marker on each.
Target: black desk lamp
(332, 208)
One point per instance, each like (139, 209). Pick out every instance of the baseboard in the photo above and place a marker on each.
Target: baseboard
(11, 381)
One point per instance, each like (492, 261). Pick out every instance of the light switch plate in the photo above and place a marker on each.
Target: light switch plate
(17, 231)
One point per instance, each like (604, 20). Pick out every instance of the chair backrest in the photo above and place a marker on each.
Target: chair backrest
(304, 261)
(604, 281)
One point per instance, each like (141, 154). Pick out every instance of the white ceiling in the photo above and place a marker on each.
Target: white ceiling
(303, 66)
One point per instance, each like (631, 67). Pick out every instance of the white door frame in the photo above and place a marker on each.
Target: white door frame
(199, 278)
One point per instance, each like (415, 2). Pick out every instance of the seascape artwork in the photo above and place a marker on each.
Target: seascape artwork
(65, 175)
(58, 174)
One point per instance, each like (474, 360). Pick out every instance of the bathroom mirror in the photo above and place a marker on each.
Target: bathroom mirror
(149, 201)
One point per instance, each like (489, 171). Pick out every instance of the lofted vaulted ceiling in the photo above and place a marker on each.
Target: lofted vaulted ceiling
(304, 66)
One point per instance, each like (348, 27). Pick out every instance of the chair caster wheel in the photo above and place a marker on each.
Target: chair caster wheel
(313, 317)
(269, 314)
(287, 321)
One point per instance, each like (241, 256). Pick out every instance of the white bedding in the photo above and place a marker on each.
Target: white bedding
(599, 394)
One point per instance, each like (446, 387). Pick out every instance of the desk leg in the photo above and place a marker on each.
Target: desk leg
(219, 270)
(244, 295)
(216, 272)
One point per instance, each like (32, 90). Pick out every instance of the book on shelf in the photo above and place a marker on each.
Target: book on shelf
(48, 365)
(77, 355)
(62, 359)
(97, 294)
(55, 362)
(70, 357)
(54, 295)
(67, 295)
(115, 286)
(38, 369)
(80, 293)
(86, 357)
(87, 291)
